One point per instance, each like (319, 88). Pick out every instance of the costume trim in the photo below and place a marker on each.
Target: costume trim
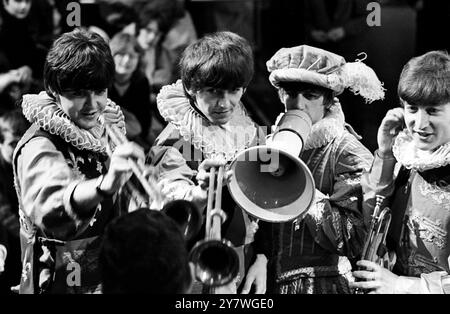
(411, 157)
(48, 115)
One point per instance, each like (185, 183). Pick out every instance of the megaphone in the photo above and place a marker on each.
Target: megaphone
(270, 182)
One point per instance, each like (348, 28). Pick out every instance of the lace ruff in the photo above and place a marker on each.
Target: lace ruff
(325, 130)
(412, 158)
(43, 110)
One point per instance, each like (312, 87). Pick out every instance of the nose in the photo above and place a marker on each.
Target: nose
(125, 59)
(422, 119)
(224, 99)
(23, 5)
(301, 102)
(95, 101)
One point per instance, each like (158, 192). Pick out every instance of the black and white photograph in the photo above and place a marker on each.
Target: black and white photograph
(247, 149)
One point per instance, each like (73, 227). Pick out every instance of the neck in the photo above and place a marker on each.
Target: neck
(122, 79)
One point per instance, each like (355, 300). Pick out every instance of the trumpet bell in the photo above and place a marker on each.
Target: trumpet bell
(216, 262)
(186, 215)
(271, 184)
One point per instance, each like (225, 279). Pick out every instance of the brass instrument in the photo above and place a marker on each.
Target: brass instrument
(148, 183)
(375, 249)
(185, 214)
(215, 260)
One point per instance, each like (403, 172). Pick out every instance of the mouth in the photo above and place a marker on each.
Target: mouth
(90, 114)
(221, 112)
(423, 135)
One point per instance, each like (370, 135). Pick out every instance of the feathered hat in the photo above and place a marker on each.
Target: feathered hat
(323, 68)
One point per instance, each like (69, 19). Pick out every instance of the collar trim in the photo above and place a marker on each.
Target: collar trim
(411, 157)
(330, 127)
(44, 111)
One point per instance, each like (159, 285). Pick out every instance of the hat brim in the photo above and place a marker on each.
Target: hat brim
(301, 75)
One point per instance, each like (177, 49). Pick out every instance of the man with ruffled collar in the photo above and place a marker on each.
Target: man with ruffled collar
(68, 188)
(207, 126)
(412, 170)
(313, 254)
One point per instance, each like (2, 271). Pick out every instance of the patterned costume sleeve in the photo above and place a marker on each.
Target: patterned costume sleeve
(336, 220)
(176, 178)
(46, 186)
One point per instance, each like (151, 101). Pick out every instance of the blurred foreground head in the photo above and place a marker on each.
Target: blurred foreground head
(144, 252)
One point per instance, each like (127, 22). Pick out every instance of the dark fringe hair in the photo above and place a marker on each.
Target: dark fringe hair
(425, 80)
(78, 60)
(219, 60)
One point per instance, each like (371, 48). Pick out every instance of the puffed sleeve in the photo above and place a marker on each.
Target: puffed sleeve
(175, 177)
(336, 220)
(46, 186)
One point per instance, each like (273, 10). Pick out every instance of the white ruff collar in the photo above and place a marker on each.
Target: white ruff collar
(332, 125)
(225, 140)
(45, 112)
(411, 157)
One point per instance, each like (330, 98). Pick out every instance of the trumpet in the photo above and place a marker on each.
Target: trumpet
(375, 249)
(152, 195)
(216, 262)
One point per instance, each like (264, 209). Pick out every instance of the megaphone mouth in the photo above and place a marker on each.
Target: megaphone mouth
(271, 184)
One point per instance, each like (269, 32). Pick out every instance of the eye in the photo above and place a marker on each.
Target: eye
(100, 91)
(75, 94)
(212, 91)
(432, 111)
(411, 109)
(311, 95)
(236, 90)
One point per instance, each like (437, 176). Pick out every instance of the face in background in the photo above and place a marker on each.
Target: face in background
(218, 105)
(429, 125)
(310, 101)
(149, 35)
(9, 144)
(126, 61)
(83, 107)
(17, 8)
